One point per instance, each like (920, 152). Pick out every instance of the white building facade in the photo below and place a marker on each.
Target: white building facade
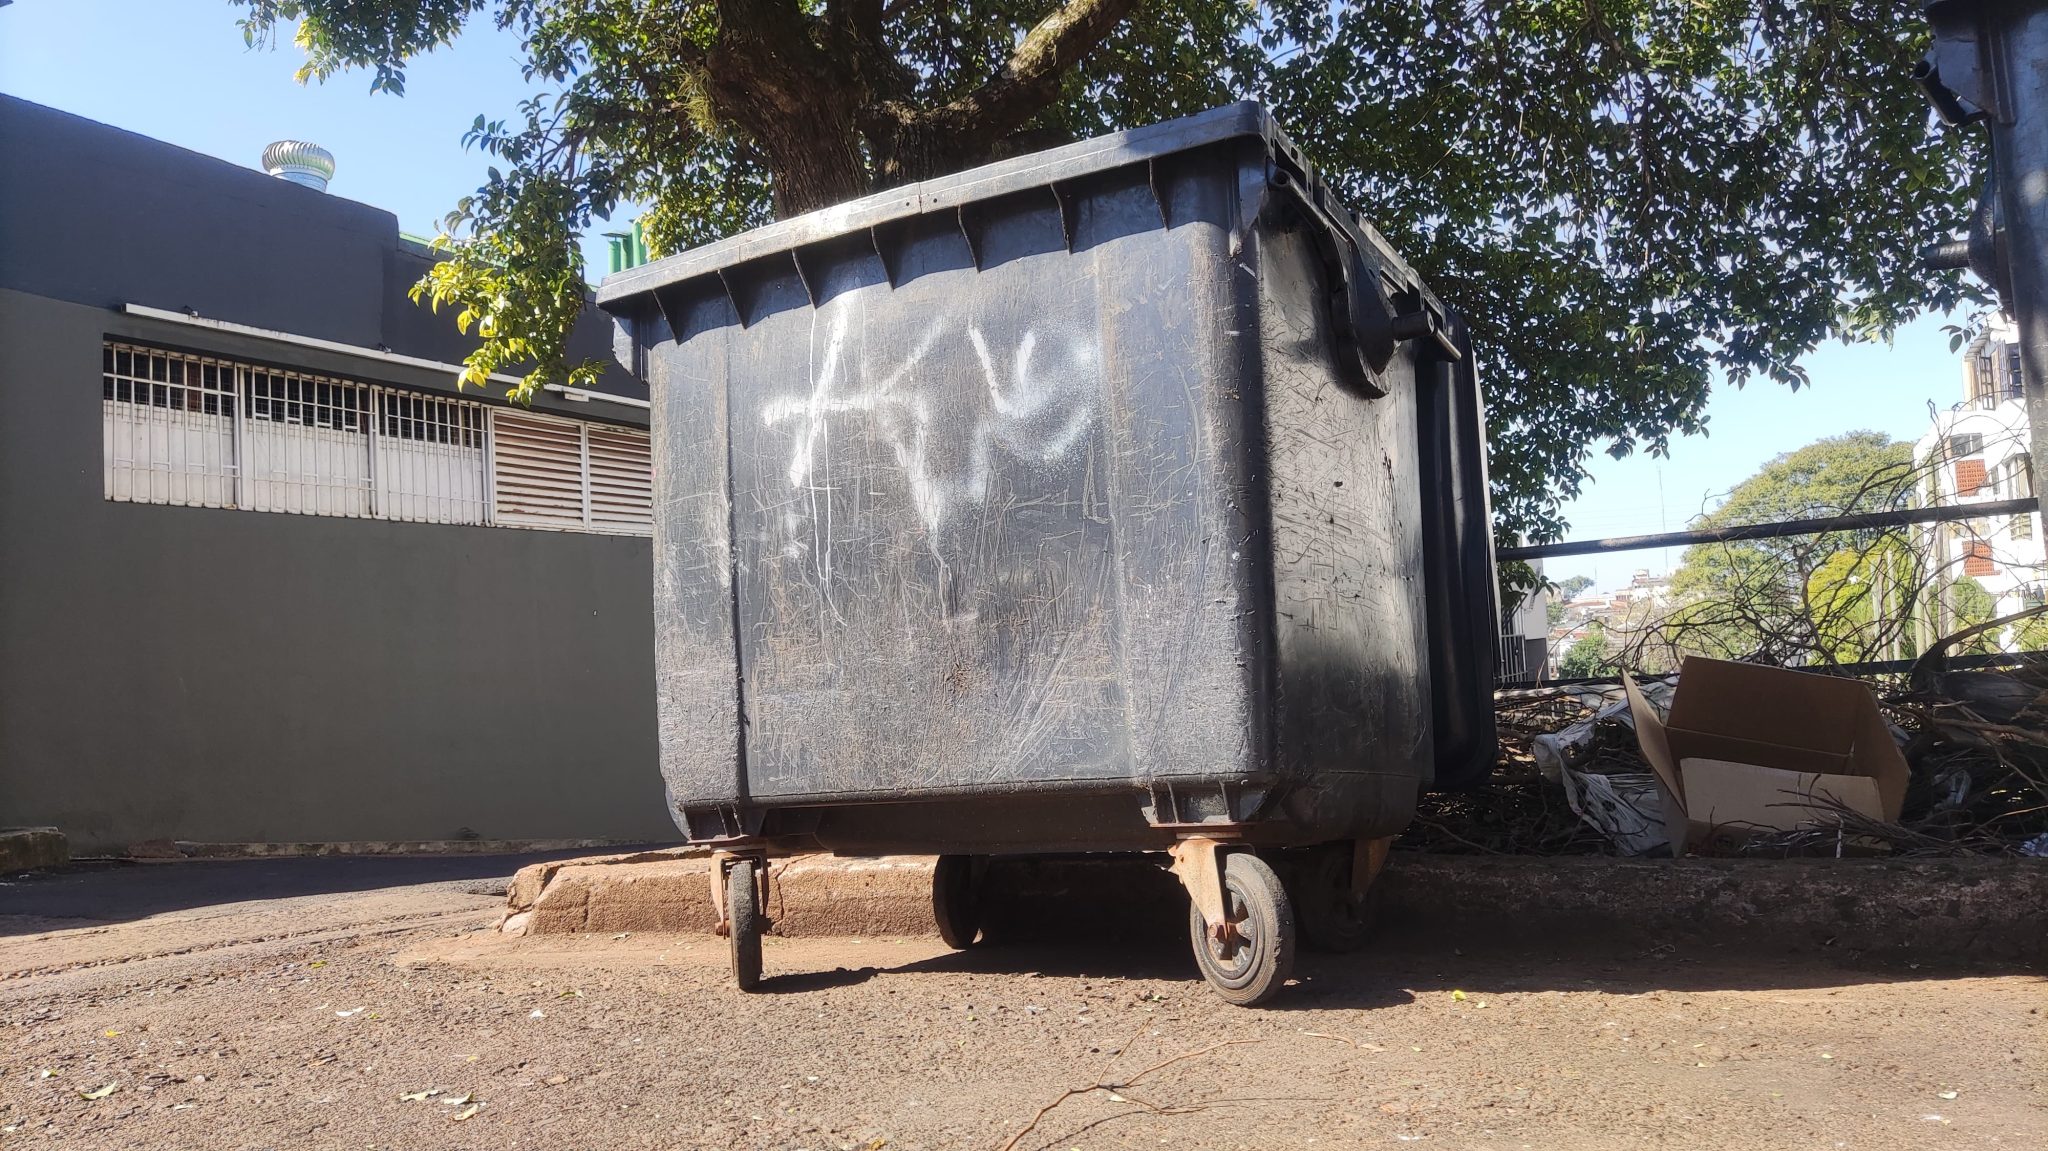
(1977, 452)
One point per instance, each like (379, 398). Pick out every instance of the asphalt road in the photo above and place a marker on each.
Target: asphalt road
(365, 1004)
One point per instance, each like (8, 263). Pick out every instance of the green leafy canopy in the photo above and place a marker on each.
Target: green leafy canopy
(1623, 198)
(1803, 599)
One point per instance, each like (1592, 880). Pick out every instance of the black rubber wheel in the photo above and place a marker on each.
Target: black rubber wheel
(1332, 916)
(1251, 967)
(956, 900)
(743, 914)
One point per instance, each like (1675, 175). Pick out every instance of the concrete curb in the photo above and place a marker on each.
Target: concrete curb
(32, 849)
(670, 890)
(1978, 908)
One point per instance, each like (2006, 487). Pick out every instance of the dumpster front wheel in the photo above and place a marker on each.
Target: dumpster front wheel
(743, 917)
(956, 900)
(1248, 958)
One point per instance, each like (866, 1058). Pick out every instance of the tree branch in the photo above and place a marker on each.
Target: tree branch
(1031, 77)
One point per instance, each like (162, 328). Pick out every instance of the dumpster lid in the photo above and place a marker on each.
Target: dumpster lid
(944, 193)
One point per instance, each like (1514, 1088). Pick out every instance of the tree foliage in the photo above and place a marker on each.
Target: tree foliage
(1973, 605)
(1824, 598)
(1622, 198)
(1588, 656)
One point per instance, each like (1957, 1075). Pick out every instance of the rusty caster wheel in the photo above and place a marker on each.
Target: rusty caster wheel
(1248, 958)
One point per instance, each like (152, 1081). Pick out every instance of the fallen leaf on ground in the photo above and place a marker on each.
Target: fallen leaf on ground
(466, 1112)
(456, 1100)
(536, 1013)
(45, 1073)
(99, 1092)
(349, 1014)
(110, 1033)
(317, 963)
(1945, 1094)
(1459, 996)
(419, 1096)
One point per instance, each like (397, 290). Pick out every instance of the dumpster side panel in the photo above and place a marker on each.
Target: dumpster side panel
(696, 672)
(926, 601)
(1346, 552)
(978, 512)
(1191, 590)
(1462, 583)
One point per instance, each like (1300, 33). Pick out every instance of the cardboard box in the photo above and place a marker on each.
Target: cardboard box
(1749, 748)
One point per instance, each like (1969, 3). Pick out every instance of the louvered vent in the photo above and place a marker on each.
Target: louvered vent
(537, 480)
(621, 480)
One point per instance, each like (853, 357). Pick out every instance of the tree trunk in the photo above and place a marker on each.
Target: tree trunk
(823, 97)
(769, 77)
(813, 164)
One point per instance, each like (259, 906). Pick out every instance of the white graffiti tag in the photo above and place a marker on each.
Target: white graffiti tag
(1033, 407)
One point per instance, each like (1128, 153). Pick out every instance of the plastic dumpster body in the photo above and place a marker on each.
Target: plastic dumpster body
(1125, 496)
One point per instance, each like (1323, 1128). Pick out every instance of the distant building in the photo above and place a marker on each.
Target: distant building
(1524, 639)
(1977, 452)
(1620, 613)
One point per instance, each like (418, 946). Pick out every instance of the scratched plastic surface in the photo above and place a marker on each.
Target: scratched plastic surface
(1052, 477)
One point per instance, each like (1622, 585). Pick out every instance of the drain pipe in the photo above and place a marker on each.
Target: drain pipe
(1989, 65)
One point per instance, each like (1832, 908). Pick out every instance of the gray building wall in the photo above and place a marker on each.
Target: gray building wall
(234, 676)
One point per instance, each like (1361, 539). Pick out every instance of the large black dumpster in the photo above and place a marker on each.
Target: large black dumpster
(1125, 496)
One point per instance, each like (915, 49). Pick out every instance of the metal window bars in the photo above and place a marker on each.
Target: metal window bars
(305, 444)
(195, 430)
(167, 427)
(429, 459)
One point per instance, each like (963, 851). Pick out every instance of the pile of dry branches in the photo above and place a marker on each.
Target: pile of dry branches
(1976, 741)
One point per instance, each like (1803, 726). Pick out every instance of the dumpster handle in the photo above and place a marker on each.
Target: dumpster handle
(1376, 321)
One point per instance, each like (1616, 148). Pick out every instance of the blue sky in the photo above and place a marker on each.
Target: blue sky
(177, 70)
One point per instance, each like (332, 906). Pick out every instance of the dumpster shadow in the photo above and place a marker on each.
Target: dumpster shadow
(1417, 960)
(1440, 930)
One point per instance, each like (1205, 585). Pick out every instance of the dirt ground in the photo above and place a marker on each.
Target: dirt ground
(340, 1004)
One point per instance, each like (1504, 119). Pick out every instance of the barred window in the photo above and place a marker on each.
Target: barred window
(195, 430)
(430, 459)
(307, 444)
(168, 428)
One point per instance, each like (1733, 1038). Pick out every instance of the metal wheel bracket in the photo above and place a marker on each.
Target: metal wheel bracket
(721, 871)
(1198, 864)
(1368, 859)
